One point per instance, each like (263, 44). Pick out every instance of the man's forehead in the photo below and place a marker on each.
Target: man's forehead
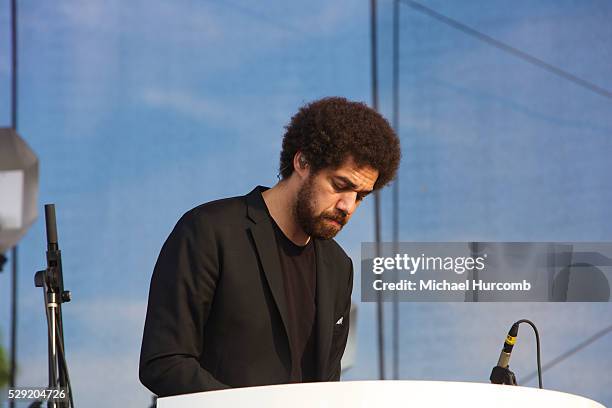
(362, 177)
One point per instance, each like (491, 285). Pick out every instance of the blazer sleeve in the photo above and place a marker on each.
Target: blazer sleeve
(340, 338)
(180, 297)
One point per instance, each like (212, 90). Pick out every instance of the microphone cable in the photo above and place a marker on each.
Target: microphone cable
(537, 336)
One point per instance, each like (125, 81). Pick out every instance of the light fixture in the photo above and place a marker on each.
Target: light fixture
(18, 188)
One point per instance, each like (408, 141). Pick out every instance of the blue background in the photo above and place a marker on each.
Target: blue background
(141, 110)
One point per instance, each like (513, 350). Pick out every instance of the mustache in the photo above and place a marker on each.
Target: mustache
(340, 217)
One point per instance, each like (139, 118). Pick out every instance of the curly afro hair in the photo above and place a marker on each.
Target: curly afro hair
(329, 130)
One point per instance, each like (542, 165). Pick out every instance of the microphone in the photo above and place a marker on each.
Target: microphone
(51, 226)
(500, 373)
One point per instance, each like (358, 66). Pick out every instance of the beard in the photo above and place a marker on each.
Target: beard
(313, 224)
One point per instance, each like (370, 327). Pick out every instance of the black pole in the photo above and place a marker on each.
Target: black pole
(379, 304)
(14, 64)
(13, 369)
(396, 183)
(374, 65)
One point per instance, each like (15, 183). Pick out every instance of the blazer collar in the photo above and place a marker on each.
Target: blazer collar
(265, 243)
(256, 206)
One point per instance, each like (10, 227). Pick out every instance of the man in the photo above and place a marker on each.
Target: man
(253, 290)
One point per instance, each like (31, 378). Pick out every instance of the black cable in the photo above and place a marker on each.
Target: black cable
(60, 345)
(507, 48)
(537, 336)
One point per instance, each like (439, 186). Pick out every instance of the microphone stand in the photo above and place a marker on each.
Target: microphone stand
(52, 282)
(503, 376)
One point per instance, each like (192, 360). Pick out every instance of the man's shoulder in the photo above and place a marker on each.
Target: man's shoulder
(334, 250)
(230, 206)
(217, 212)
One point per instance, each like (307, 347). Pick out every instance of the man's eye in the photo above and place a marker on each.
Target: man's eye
(360, 197)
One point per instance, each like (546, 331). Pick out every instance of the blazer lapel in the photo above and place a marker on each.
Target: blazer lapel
(265, 243)
(325, 310)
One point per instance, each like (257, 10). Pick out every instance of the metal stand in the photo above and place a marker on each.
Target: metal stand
(52, 282)
(504, 376)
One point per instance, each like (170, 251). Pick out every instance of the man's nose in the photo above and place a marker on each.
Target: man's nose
(347, 203)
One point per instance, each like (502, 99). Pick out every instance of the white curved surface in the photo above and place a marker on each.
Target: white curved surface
(370, 394)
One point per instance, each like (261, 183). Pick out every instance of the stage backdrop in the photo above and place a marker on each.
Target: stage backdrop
(141, 110)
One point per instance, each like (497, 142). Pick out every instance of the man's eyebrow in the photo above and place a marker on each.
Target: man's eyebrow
(351, 185)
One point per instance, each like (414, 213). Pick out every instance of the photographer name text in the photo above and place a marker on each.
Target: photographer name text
(445, 286)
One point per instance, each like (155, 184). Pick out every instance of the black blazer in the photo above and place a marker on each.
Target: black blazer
(217, 315)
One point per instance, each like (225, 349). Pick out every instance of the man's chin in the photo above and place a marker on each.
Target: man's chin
(327, 232)
(325, 237)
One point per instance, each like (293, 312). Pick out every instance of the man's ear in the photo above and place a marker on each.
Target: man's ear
(301, 165)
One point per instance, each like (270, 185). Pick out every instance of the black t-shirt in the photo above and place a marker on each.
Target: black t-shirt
(299, 276)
